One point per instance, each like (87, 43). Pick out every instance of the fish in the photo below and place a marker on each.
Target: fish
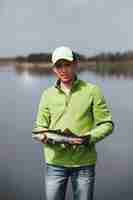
(58, 136)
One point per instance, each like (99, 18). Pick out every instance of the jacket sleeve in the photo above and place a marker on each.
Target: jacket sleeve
(103, 124)
(43, 114)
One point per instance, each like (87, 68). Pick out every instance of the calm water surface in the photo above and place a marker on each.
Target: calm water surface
(22, 166)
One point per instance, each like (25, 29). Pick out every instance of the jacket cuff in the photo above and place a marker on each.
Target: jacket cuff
(100, 132)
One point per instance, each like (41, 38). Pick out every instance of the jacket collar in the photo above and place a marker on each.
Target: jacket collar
(58, 82)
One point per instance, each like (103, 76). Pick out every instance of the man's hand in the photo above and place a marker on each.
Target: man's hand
(44, 139)
(76, 141)
(79, 140)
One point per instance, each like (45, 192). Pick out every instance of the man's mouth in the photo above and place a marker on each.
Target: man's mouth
(65, 76)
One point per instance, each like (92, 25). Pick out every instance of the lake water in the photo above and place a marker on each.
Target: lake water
(22, 168)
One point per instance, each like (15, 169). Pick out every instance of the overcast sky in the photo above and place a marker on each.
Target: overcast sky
(87, 26)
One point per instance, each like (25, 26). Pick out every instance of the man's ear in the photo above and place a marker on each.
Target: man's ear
(76, 64)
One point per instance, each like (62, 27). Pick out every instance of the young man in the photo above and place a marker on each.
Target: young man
(80, 107)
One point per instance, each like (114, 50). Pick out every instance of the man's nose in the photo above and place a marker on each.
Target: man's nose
(64, 69)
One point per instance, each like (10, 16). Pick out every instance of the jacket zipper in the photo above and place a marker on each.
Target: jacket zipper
(67, 100)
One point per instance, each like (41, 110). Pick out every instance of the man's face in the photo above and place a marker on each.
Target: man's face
(65, 70)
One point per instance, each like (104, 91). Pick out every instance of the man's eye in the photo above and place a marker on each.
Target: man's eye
(61, 65)
(67, 64)
(58, 65)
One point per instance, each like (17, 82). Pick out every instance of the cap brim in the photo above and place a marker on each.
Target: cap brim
(67, 59)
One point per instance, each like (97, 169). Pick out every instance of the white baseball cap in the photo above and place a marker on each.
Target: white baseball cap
(62, 52)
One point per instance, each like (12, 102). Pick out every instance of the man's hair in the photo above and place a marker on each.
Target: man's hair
(75, 56)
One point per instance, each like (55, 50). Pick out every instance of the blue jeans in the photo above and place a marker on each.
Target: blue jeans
(82, 179)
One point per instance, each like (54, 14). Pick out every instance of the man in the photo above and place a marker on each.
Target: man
(80, 107)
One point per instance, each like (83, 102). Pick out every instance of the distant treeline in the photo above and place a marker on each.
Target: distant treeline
(112, 57)
(105, 57)
(44, 57)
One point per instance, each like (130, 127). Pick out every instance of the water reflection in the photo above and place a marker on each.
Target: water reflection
(26, 77)
(118, 70)
(32, 69)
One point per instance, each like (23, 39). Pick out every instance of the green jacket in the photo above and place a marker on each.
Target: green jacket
(84, 112)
